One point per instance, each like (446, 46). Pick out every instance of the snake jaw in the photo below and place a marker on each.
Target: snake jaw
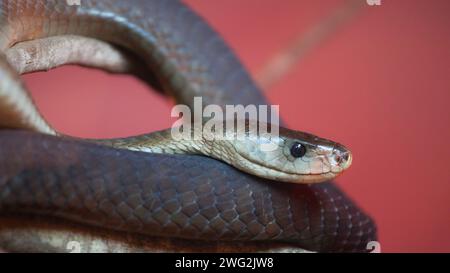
(251, 166)
(323, 160)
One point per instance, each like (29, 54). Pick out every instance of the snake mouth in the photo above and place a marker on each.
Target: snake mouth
(256, 168)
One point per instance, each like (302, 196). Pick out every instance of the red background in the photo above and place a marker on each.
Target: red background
(380, 85)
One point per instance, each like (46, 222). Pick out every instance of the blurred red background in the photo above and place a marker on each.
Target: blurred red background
(379, 84)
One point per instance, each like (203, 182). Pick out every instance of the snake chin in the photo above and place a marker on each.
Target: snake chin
(254, 167)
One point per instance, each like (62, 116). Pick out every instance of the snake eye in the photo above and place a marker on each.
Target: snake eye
(298, 150)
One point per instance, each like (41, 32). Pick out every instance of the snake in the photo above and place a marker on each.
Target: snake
(164, 42)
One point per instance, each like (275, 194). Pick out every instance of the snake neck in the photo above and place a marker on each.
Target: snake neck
(221, 142)
(198, 141)
(161, 142)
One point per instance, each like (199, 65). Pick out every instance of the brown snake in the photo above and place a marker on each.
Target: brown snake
(185, 58)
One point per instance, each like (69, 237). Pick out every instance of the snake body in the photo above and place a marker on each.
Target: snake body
(144, 193)
(172, 196)
(176, 70)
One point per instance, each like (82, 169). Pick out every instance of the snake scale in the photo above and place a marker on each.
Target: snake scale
(182, 196)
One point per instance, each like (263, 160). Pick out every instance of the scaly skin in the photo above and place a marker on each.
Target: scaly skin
(187, 59)
(176, 196)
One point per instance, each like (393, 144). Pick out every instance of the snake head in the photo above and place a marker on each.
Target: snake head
(295, 156)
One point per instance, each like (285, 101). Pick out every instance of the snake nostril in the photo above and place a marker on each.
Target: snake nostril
(342, 157)
(346, 156)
